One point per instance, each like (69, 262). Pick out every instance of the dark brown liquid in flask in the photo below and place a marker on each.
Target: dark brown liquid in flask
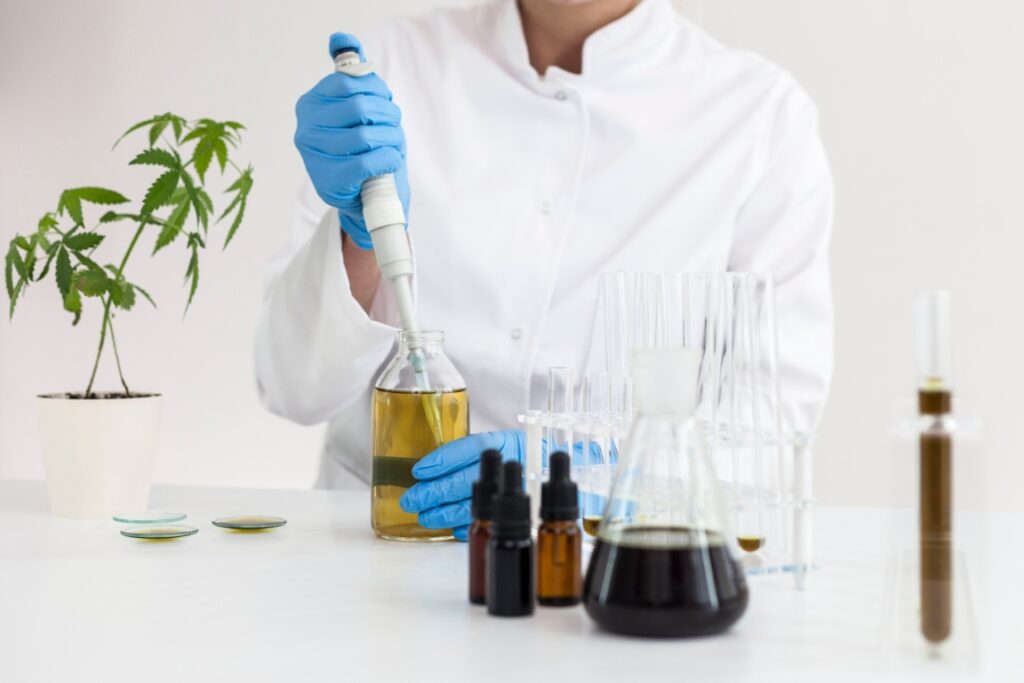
(664, 582)
(935, 516)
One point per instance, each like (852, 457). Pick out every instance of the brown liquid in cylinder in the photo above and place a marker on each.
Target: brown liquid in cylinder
(402, 435)
(935, 517)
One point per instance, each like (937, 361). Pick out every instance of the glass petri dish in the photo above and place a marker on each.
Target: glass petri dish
(160, 531)
(154, 517)
(250, 522)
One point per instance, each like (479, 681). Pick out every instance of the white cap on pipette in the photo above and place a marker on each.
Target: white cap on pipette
(665, 380)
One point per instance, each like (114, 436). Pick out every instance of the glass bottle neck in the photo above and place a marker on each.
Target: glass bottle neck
(430, 341)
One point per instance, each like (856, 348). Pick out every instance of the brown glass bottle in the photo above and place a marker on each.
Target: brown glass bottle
(559, 539)
(935, 516)
(484, 490)
(559, 549)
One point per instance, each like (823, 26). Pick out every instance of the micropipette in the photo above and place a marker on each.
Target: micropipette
(385, 221)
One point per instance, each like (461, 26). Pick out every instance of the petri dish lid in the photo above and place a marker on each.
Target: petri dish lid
(150, 517)
(250, 522)
(159, 531)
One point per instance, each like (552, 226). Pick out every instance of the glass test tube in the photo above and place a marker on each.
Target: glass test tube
(560, 389)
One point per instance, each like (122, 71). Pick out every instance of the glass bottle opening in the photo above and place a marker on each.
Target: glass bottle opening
(420, 337)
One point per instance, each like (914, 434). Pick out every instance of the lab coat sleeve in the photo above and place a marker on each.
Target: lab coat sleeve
(784, 228)
(316, 350)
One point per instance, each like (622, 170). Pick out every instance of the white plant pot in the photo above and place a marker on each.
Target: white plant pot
(98, 453)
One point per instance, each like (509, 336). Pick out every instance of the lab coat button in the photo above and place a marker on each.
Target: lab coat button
(516, 333)
(561, 96)
(545, 208)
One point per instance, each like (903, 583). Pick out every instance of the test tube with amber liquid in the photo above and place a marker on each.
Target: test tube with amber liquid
(935, 467)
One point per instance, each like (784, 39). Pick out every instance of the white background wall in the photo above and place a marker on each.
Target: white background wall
(921, 113)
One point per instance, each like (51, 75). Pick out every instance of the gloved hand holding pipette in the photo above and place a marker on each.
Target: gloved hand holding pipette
(348, 130)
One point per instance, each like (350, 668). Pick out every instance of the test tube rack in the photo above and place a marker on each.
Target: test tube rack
(763, 464)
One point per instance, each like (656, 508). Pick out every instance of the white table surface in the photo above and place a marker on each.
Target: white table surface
(323, 600)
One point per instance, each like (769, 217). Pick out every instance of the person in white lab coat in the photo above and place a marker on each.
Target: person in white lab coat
(543, 142)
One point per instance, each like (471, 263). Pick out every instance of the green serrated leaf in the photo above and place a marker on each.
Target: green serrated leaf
(98, 195)
(140, 124)
(167, 235)
(30, 266)
(177, 123)
(111, 217)
(14, 298)
(15, 258)
(160, 192)
(83, 240)
(156, 156)
(73, 304)
(92, 282)
(201, 157)
(198, 205)
(235, 223)
(156, 129)
(192, 272)
(72, 204)
(9, 274)
(221, 150)
(234, 124)
(63, 272)
(145, 294)
(172, 226)
(23, 242)
(122, 295)
(51, 253)
(47, 222)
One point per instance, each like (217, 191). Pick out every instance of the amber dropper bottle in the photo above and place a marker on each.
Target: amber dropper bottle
(559, 544)
(935, 512)
(510, 549)
(484, 490)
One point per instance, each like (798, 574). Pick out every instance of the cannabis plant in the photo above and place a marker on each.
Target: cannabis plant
(183, 151)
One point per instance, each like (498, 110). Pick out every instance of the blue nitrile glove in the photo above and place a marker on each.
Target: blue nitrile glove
(442, 497)
(348, 130)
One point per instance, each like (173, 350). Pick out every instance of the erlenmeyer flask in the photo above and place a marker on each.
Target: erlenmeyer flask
(662, 564)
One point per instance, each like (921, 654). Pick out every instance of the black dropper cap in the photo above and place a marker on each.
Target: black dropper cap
(559, 499)
(485, 488)
(511, 505)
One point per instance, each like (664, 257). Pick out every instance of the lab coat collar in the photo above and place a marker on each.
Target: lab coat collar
(632, 42)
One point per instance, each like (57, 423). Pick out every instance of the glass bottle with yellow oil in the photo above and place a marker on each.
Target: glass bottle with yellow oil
(409, 423)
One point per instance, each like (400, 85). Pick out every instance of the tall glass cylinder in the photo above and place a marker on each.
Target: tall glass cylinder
(409, 423)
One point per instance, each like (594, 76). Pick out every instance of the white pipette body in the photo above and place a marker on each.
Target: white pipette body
(385, 221)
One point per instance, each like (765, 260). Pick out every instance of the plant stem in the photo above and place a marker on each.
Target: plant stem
(131, 246)
(106, 315)
(99, 351)
(117, 356)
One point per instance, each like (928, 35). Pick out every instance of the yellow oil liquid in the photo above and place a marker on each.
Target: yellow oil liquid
(750, 544)
(402, 435)
(590, 524)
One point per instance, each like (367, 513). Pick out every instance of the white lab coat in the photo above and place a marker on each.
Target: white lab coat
(669, 152)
